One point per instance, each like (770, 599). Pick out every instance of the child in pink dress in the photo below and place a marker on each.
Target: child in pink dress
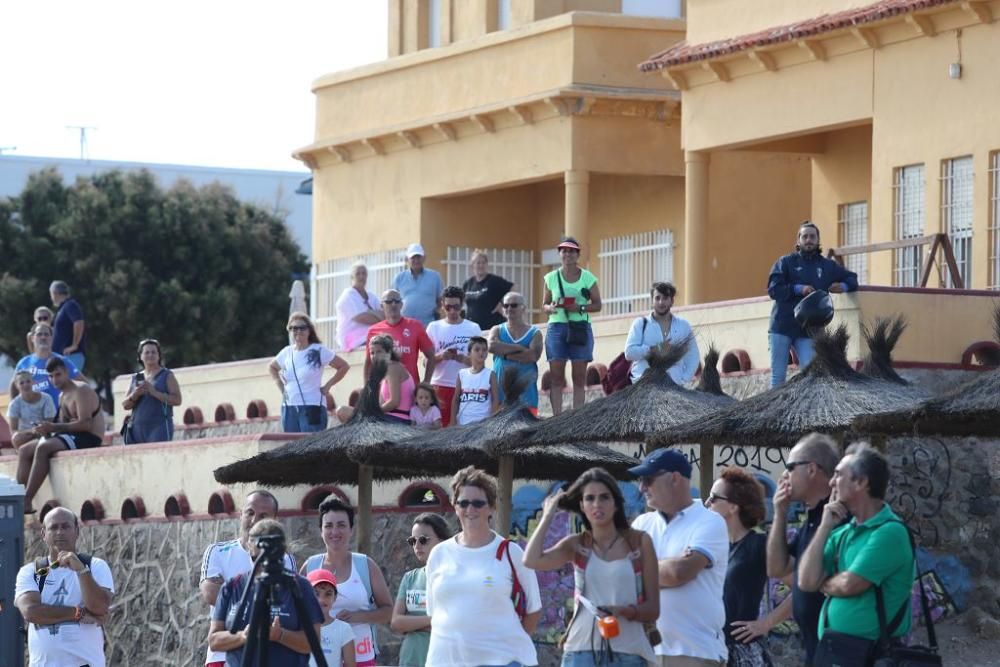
(425, 412)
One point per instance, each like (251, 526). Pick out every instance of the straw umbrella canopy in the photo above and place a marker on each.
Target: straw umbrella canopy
(487, 444)
(653, 403)
(825, 397)
(323, 458)
(972, 408)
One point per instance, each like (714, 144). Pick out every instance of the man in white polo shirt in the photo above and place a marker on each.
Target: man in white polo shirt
(692, 547)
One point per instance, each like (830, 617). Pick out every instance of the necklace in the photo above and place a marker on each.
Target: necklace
(603, 551)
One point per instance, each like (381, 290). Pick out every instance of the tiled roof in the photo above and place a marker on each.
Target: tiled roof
(682, 52)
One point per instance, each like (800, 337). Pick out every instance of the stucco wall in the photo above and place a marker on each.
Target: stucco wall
(709, 20)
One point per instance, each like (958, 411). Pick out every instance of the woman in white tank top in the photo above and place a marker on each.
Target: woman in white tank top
(613, 566)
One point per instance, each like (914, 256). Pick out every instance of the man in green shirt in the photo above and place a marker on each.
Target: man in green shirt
(872, 550)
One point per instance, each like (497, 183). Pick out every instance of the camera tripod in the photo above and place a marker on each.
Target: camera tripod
(265, 594)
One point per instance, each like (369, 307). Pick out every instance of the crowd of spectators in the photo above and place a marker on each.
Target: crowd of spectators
(681, 585)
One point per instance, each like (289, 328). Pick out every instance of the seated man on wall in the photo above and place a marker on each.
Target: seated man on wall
(80, 425)
(794, 277)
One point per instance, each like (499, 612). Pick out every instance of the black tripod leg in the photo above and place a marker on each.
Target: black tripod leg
(307, 626)
(255, 652)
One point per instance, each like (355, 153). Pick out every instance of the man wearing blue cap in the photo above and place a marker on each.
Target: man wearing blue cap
(692, 547)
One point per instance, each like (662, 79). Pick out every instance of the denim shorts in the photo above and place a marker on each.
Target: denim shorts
(596, 659)
(557, 349)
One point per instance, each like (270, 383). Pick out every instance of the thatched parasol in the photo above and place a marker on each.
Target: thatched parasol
(654, 402)
(972, 408)
(488, 444)
(322, 458)
(881, 338)
(710, 382)
(825, 397)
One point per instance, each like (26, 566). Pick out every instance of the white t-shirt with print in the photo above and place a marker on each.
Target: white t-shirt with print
(227, 560)
(447, 336)
(303, 369)
(473, 621)
(692, 616)
(64, 644)
(333, 637)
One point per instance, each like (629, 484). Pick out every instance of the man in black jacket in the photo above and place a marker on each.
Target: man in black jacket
(793, 277)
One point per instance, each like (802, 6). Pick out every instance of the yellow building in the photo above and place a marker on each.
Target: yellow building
(893, 103)
(506, 124)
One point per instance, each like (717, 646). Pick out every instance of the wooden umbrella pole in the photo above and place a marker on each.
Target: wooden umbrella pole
(506, 500)
(707, 470)
(365, 509)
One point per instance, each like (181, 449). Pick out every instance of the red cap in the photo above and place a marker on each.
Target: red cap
(322, 576)
(568, 243)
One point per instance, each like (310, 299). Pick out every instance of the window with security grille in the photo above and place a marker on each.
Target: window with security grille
(908, 219)
(629, 265)
(994, 229)
(956, 214)
(516, 265)
(853, 231)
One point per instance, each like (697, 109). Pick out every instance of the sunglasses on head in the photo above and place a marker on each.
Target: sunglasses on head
(477, 503)
(423, 539)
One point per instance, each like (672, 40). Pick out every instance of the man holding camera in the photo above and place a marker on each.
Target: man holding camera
(64, 598)
(287, 643)
(225, 560)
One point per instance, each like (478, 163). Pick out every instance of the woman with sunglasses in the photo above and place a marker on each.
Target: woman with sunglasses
(739, 499)
(571, 295)
(470, 580)
(43, 315)
(152, 397)
(613, 565)
(363, 598)
(298, 372)
(409, 615)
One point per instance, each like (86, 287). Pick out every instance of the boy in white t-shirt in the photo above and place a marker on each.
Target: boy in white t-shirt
(28, 409)
(336, 637)
(451, 348)
(476, 393)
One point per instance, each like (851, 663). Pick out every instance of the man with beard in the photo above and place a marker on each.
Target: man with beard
(794, 277)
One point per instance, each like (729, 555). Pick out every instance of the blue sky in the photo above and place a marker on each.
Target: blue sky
(216, 83)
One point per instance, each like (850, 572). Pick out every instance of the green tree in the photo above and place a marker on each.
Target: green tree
(195, 268)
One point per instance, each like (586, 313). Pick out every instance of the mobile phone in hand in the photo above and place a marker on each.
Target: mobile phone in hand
(140, 379)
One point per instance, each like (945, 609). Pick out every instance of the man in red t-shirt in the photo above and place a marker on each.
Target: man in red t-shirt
(409, 334)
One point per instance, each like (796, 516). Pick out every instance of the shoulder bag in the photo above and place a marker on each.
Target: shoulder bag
(517, 595)
(577, 331)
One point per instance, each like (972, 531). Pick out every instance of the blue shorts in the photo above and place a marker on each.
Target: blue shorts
(594, 659)
(557, 349)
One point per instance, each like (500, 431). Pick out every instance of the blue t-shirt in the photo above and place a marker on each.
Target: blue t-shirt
(68, 314)
(227, 606)
(36, 367)
(420, 294)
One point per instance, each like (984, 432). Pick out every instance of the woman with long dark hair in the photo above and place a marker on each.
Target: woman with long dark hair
(409, 615)
(298, 372)
(615, 574)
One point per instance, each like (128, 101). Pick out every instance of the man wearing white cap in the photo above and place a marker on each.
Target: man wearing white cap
(420, 287)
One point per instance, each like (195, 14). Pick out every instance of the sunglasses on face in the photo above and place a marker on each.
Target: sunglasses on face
(512, 305)
(298, 327)
(792, 465)
(392, 301)
(478, 504)
(42, 318)
(715, 497)
(423, 539)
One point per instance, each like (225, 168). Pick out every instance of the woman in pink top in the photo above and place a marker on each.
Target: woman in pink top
(396, 390)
